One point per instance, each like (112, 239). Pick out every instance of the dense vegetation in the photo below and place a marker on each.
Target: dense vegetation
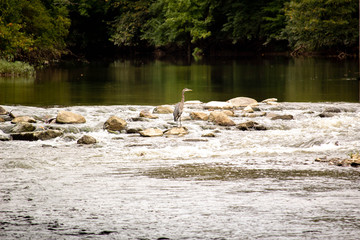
(42, 30)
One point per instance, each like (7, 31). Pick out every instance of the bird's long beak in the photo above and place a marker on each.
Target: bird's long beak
(189, 90)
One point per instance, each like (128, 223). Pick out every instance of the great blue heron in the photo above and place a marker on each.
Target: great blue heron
(180, 106)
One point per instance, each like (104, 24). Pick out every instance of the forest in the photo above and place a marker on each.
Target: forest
(44, 30)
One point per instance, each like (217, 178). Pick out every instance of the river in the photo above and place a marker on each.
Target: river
(235, 185)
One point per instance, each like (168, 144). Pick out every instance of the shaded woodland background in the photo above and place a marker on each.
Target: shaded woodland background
(42, 30)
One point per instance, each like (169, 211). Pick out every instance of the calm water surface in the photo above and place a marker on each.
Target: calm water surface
(142, 82)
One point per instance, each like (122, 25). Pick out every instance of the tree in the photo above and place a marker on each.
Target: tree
(179, 22)
(321, 24)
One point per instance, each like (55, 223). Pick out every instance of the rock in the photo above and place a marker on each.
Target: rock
(4, 137)
(229, 113)
(250, 125)
(151, 132)
(326, 115)
(177, 131)
(164, 109)
(270, 101)
(199, 116)
(220, 118)
(242, 102)
(133, 130)
(2, 119)
(254, 115)
(115, 124)
(332, 110)
(208, 135)
(193, 102)
(37, 135)
(66, 117)
(86, 139)
(3, 111)
(23, 119)
(23, 127)
(248, 109)
(147, 114)
(283, 117)
(218, 105)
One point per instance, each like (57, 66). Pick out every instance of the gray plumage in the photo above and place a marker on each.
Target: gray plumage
(179, 107)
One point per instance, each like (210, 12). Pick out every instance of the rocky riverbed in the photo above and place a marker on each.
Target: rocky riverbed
(234, 169)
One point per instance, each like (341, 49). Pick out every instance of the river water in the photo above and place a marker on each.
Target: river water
(236, 185)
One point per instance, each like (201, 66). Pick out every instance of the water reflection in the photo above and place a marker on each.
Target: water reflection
(159, 82)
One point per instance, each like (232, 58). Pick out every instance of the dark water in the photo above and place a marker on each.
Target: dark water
(149, 82)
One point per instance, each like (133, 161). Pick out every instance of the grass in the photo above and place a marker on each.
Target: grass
(16, 68)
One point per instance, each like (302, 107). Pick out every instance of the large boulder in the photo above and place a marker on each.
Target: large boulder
(218, 105)
(37, 135)
(23, 119)
(164, 109)
(220, 118)
(115, 124)
(199, 116)
(177, 131)
(69, 117)
(86, 139)
(151, 132)
(242, 102)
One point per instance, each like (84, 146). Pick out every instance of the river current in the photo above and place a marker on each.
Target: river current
(236, 185)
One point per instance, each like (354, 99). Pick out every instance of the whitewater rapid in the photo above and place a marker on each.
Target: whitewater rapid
(236, 185)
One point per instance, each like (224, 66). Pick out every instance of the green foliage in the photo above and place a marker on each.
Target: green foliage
(126, 28)
(321, 24)
(178, 22)
(15, 68)
(31, 31)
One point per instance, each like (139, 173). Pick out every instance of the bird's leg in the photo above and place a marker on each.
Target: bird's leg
(180, 120)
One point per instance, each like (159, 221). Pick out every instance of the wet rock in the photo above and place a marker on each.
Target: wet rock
(3, 111)
(2, 119)
(283, 117)
(86, 139)
(181, 131)
(151, 132)
(254, 115)
(115, 124)
(133, 130)
(218, 105)
(199, 116)
(326, 115)
(332, 110)
(250, 125)
(242, 102)
(66, 117)
(23, 127)
(164, 109)
(23, 119)
(353, 161)
(229, 113)
(147, 114)
(220, 118)
(208, 135)
(37, 135)
(248, 109)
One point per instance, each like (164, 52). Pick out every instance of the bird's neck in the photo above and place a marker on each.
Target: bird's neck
(183, 97)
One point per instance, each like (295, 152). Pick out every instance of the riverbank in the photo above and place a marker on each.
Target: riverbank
(17, 68)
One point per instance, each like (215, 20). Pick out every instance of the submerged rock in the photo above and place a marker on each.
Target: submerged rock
(164, 109)
(4, 137)
(177, 131)
(283, 117)
(23, 119)
(151, 132)
(115, 124)
(37, 135)
(199, 116)
(220, 118)
(208, 135)
(86, 139)
(250, 125)
(66, 117)
(242, 102)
